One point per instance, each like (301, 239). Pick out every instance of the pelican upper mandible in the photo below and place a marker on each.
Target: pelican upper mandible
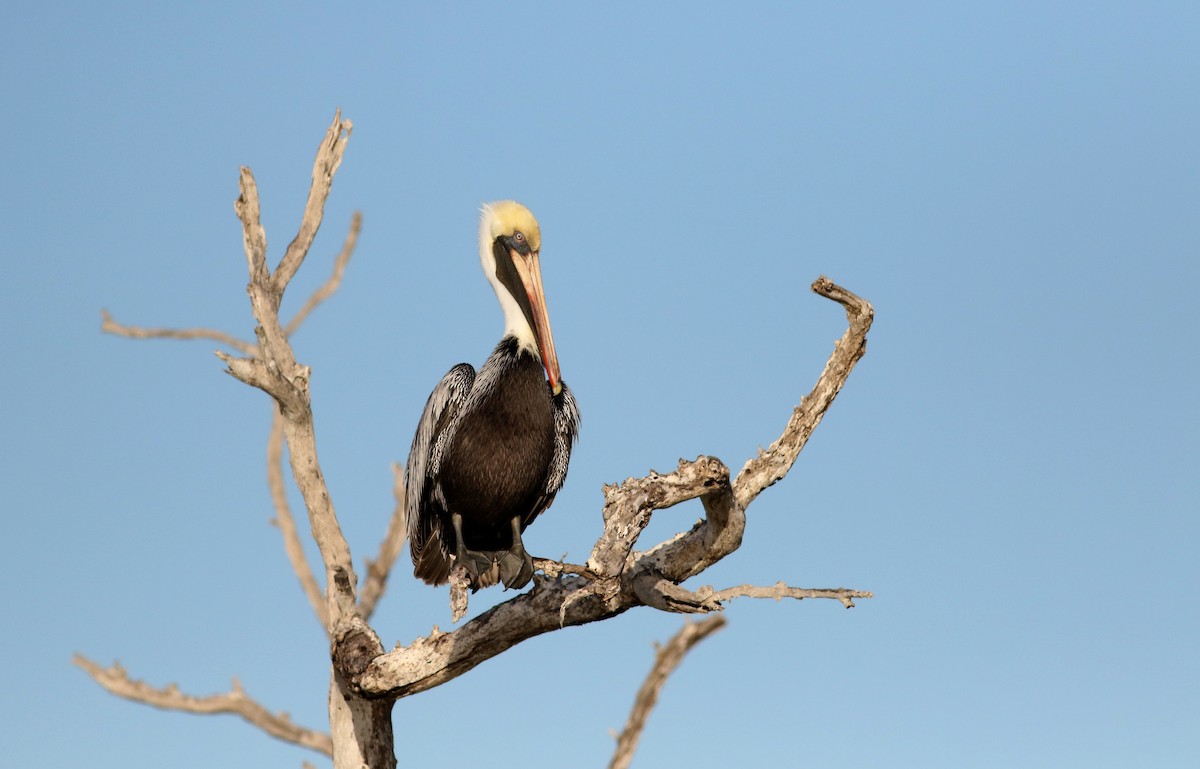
(492, 446)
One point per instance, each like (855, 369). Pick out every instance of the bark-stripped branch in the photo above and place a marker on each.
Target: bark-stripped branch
(279, 374)
(772, 464)
(361, 730)
(110, 326)
(275, 482)
(329, 157)
(667, 657)
(287, 522)
(660, 593)
(779, 591)
(279, 725)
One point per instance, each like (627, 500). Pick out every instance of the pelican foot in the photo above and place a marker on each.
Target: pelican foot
(516, 565)
(481, 566)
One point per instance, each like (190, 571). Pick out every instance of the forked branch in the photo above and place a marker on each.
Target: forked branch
(277, 372)
(361, 730)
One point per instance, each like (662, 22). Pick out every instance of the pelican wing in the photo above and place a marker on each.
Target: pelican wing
(431, 558)
(566, 431)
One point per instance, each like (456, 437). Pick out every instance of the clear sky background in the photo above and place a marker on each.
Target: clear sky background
(1013, 469)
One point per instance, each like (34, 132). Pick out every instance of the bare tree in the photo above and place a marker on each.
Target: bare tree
(365, 680)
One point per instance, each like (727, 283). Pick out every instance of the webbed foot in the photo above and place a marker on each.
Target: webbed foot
(480, 566)
(516, 565)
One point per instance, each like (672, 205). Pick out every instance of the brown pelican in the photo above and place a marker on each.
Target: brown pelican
(492, 447)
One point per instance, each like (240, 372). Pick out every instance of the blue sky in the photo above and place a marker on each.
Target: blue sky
(1012, 469)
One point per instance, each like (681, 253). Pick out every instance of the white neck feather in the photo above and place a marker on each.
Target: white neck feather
(515, 324)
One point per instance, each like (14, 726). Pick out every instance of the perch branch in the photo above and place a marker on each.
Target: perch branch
(287, 522)
(617, 578)
(279, 725)
(439, 657)
(666, 659)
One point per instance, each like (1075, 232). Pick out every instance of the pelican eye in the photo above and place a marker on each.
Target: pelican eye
(519, 243)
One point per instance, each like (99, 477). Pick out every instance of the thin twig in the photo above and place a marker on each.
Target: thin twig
(666, 659)
(779, 591)
(665, 595)
(379, 569)
(110, 326)
(335, 280)
(555, 569)
(279, 725)
(329, 157)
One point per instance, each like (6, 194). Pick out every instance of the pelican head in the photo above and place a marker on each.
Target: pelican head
(509, 243)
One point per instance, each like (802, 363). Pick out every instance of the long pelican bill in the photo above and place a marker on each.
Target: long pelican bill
(530, 272)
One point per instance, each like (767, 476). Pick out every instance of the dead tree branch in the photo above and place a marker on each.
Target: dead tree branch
(666, 659)
(361, 729)
(331, 285)
(287, 522)
(779, 591)
(278, 373)
(663, 594)
(110, 326)
(279, 725)
(771, 465)
(361, 733)
(275, 481)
